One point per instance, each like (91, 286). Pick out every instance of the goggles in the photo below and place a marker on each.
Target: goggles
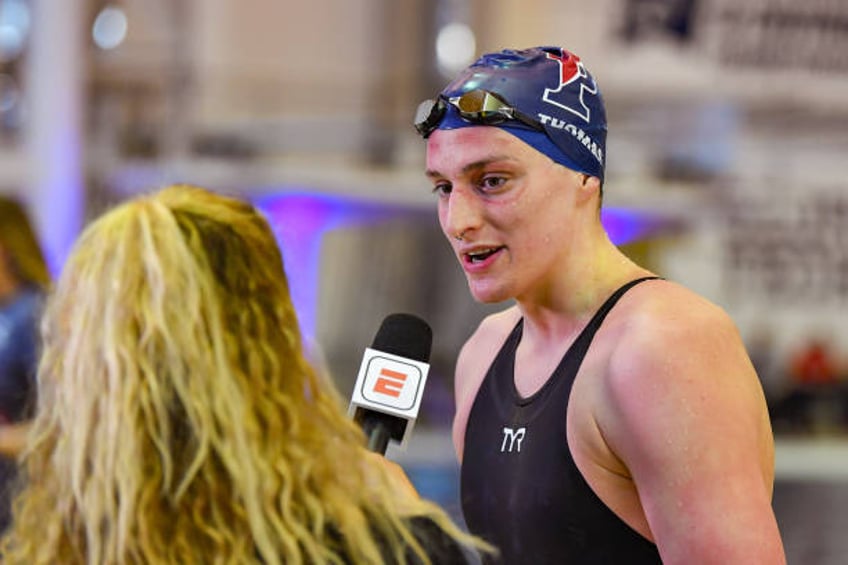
(479, 107)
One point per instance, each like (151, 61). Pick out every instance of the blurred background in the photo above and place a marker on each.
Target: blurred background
(728, 137)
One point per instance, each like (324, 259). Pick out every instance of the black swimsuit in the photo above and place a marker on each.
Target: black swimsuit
(521, 489)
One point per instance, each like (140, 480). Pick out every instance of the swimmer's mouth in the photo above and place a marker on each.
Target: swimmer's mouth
(480, 255)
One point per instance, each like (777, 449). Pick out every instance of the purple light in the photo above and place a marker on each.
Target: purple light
(626, 226)
(300, 220)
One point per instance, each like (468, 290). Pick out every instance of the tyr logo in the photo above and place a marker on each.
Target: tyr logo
(512, 439)
(571, 70)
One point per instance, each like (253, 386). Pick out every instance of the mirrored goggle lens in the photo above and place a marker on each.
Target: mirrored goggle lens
(482, 105)
(428, 115)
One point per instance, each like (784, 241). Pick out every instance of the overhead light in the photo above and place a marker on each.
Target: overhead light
(455, 47)
(14, 28)
(110, 27)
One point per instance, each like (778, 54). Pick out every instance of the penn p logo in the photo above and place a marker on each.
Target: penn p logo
(571, 70)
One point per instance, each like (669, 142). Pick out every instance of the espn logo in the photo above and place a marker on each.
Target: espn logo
(391, 383)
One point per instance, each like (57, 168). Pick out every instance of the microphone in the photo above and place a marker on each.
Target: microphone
(391, 379)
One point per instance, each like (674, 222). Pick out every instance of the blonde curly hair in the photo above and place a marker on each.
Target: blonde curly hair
(179, 420)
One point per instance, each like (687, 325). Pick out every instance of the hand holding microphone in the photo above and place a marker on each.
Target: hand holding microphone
(390, 384)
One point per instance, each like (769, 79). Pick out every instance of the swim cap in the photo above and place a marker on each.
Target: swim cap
(548, 84)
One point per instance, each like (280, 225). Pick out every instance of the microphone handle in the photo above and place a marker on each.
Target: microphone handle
(378, 434)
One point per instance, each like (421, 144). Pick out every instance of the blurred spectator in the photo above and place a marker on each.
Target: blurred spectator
(23, 280)
(816, 398)
(815, 364)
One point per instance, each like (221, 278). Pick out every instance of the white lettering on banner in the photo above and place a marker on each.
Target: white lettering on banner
(754, 35)
(788, 251)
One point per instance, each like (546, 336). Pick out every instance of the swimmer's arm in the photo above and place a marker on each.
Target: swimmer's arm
(473, 363)
(686, 415)
(465, 389)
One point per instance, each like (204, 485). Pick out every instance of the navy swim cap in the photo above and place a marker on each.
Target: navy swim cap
(550, 85)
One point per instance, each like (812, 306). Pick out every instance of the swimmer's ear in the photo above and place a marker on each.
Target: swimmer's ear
(588, 185)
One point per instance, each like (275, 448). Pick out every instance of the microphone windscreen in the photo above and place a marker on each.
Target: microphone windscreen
(405, 335)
